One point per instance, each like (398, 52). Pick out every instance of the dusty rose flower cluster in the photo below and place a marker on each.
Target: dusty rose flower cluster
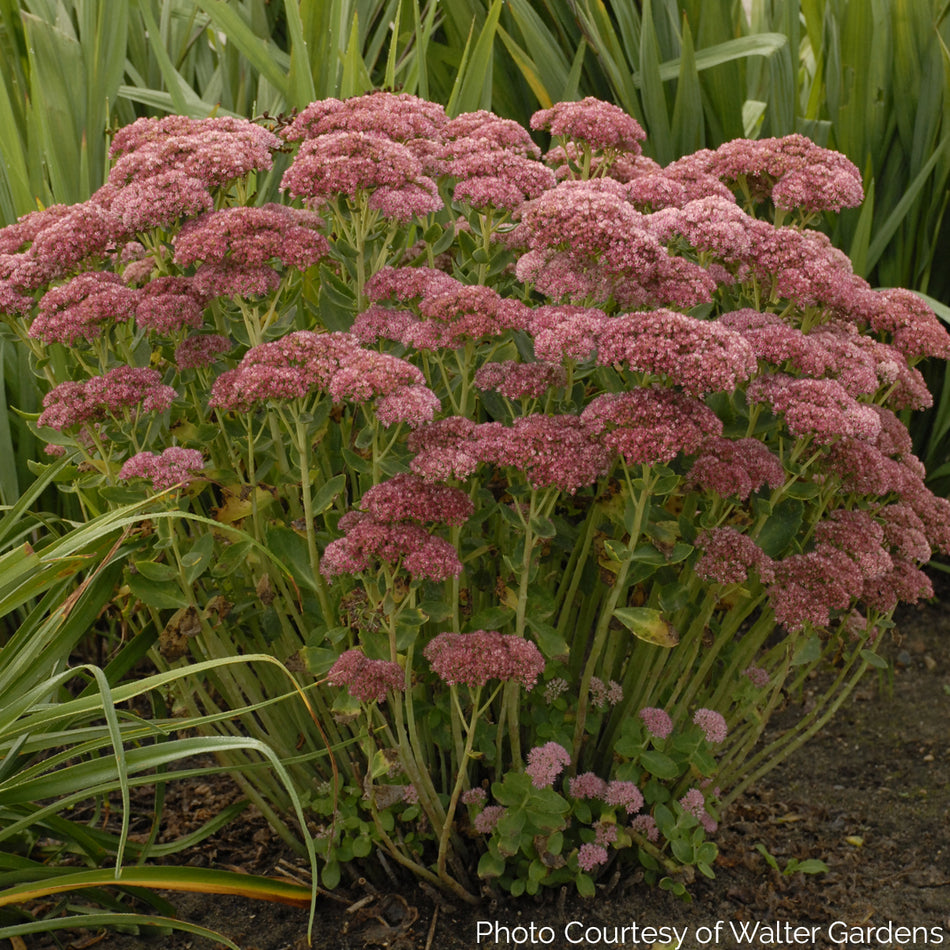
(173, 466)
(473, 659)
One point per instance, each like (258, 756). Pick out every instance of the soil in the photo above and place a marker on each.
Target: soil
(869, 796)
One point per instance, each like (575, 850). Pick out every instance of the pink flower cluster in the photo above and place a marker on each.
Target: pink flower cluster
(728, 556)
(367, 541)
(646, 426)
(77, 403)
(365, 679)
(520, 380)
(475, 658)
(587, 244)
(735, 467)
(245, 237)
(305, 362)
(599, 124)
(792, 171)
(713, 725)
(546, 762)
(407, 497)
(173, 466)
(352, 163)
(78, 309)
(657, 721)
(448, 314)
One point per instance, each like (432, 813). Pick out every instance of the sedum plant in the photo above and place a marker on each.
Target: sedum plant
(550, 474)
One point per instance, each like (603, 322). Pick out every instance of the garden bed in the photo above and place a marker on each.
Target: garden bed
(869, 796)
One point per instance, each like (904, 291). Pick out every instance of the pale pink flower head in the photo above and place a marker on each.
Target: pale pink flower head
(520, 380)
(645, 825)
(405, 284)
(586, 244)
(158, 200)
(694, 803)
(474, 796)
(83, 233)
(820, 408)
(857, 534)
(914, 328)
(546, 762)
(215, 151)
(792, 171)
(487, 819)
(409, 546)
(365, 679)
(17, 237)
(490, 132)
(475, 658)
(657, 721)
(809, 587)
(352, 163)
(173, 466)
(587, 785)
(398, 116)
(599, 124)
(698, 356)
(168, 305)
(590, 856)
(627, 795)
(903, 583)
(444, 449)
(713, 725)
(201, 350)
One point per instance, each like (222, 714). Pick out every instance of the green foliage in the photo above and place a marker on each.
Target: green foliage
(70, 744)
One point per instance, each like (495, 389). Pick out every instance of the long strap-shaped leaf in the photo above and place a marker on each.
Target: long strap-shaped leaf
(200, 880)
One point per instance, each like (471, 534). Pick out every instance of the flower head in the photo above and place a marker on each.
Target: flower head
(647, 426)
(728, 555)
(550, 451)
(367, 680)
(590, 856)
(475, 658)
(625, 794)
(79, 309)
(252, 236)
(713, 725)
(657, 721)
(546, 762)
(408, 497)
(76, 403)
(173, 466)
(599, 124)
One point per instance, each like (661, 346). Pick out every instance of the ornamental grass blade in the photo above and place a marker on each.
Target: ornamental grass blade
(115, 921)
(473, 85)
(612, 54)
(884, 231)
(548, 62)
(259, 51)
(300, 88)
(190, 879)
(655, 109)
(688, 127)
